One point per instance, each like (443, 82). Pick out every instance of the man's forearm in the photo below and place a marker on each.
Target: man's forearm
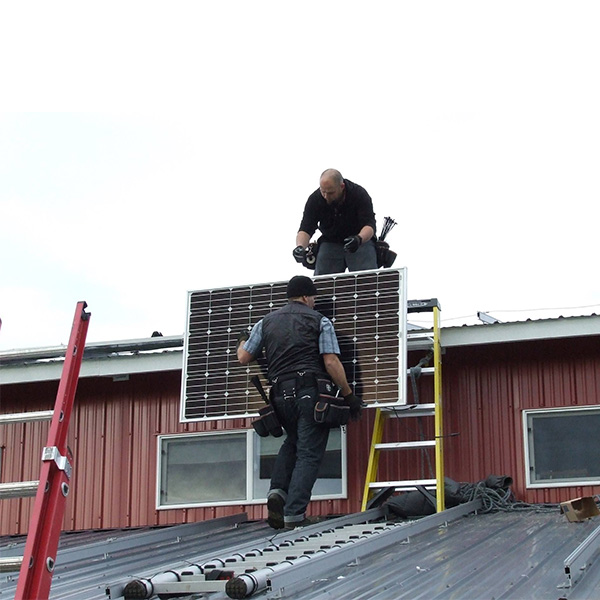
(302, 239)
(335, 369)
(366, 233)
(244, 356)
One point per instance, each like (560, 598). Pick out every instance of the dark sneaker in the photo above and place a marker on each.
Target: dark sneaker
(304, 523)
(275, 504)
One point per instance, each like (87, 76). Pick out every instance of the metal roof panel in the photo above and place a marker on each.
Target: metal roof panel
(512, 554)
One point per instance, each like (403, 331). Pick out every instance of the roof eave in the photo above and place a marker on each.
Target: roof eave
(543, 329)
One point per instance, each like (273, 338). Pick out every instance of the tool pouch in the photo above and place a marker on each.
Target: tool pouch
(329, 409)
(267, 423)
(385, 256)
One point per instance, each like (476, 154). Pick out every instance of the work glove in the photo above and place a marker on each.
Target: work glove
(355, 405)
(242, 337)
(299, 253)
(352, 243)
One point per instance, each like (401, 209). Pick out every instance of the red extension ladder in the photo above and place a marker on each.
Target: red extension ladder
(37, 563)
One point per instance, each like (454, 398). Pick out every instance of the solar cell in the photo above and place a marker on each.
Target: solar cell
(368, 310)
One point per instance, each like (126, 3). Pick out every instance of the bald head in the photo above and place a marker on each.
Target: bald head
(332, 175)
(332, 186)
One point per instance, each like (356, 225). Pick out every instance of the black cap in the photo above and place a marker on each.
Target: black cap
(300, 285)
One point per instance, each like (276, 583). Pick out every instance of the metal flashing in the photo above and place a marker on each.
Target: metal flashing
(520, 331)
(106, 359)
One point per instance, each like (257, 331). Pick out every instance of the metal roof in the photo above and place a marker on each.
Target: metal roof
(512, 555)
(122, 358)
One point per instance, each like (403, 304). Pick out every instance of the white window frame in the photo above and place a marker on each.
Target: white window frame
(252, 449)
(528, 418)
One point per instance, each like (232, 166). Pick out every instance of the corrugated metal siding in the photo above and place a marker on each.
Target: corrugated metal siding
(487, 388)
(115, 425)
(113, 436)
(22, 448)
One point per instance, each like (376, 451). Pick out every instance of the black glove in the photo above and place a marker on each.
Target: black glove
(242, 337)
(355, 405)
(352, 243)
(299, 253)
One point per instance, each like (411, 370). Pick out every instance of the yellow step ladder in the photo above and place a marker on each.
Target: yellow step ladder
(419, 339)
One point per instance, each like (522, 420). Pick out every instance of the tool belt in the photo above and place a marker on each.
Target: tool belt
(330, 409)
(281, 386)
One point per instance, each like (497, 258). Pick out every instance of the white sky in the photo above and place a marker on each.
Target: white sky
(148, 149)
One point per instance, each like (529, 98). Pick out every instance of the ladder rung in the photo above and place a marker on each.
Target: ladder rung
(26, 417)
(19, 489)
(419, 335)
(10, 563)
(410, 410)
(419, 345)
(409, 484)
(424, 371)
(405, 445)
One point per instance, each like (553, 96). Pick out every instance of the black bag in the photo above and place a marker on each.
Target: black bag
(385, 256)
(267, 423)
(330, 409)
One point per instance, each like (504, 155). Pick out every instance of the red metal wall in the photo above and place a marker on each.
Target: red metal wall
(115, 424)
(485, 391)
(113, 436)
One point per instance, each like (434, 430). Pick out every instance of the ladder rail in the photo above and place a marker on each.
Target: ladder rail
(373, 462)
(35, 575)
(438, 426)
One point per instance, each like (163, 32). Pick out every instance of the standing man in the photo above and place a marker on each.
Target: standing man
(343, 211)
(300, 346)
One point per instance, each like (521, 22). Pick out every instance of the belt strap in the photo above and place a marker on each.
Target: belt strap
(302, 378)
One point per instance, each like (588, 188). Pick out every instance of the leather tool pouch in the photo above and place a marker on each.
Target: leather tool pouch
(385, 256)
(267, 423)
(329, 409)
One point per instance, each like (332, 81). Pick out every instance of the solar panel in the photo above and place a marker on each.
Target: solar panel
(368, 310)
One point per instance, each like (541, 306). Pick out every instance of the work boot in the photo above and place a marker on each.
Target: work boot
(275, 504)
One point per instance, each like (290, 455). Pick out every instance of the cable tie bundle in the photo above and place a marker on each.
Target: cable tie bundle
(388, 225)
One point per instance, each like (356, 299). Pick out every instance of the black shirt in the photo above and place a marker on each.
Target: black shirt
(338, 221)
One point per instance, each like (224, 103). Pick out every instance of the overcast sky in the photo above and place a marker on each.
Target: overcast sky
(149, 149)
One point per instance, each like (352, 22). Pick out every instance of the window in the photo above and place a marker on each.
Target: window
(562, 447)
(234, 467)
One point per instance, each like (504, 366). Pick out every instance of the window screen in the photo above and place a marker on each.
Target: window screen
(562, 447)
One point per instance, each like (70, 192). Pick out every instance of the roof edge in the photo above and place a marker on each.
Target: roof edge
(520, 331)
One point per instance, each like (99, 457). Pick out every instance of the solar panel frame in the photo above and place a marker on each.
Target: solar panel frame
(368, 311)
